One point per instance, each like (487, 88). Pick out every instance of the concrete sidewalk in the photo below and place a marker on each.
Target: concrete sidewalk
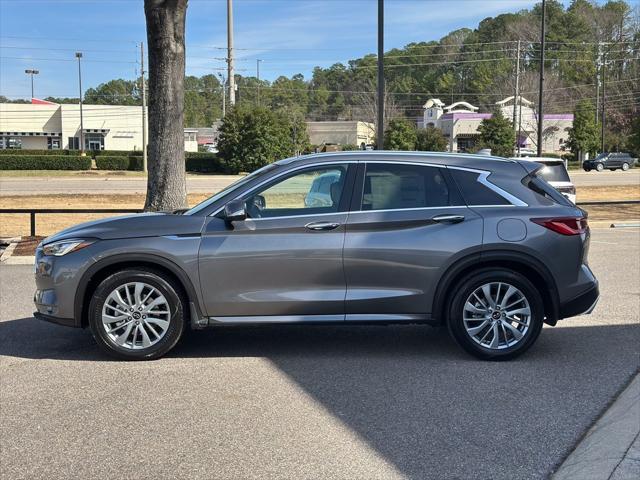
(611, 448)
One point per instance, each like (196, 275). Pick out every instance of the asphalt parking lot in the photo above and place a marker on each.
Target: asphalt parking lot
(312, 402)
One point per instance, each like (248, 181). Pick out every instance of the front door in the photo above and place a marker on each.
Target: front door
(408, 223)
(284, 262)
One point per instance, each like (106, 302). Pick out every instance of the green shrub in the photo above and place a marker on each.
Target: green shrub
(105, 162)
(116, 153)
(205, 163)
(44, 162)
(26, 151)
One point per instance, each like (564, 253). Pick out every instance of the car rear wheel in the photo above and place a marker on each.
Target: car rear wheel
(496, 314)
(137, 314)
(625, 166)
(599, 167)
(587, 169)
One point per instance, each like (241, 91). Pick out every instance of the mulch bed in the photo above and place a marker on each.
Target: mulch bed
(27, 246)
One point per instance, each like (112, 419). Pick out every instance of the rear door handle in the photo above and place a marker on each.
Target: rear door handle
(448, 218)
(322, 226)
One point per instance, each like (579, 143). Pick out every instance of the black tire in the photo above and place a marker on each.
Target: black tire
(586, 169)
(625, 166)
(467, 286)
(599, 167)
(166, 286)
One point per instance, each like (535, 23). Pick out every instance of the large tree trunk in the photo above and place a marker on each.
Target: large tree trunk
(166, 184)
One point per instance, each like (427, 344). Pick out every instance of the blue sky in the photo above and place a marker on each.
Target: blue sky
(289, 36)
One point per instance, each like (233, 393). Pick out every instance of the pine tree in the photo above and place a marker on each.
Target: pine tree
(583, 136)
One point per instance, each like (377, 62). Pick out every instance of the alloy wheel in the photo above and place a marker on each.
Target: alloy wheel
(136, 315)
(497, 315)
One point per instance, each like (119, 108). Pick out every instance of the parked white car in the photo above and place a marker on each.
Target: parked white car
(555, 172)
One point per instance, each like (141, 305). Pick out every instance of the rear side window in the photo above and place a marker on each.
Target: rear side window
(554, 172)
(474, 192)
(400, 186)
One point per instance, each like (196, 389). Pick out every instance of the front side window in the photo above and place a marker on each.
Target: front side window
(312, 191)
(400, 186)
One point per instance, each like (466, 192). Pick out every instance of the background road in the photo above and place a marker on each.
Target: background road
(312, 402)
(213, 183)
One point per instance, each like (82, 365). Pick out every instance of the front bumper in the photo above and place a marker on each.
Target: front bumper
(583, 304)
(67, 322)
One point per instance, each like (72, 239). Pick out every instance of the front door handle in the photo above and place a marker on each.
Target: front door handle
(448, 218)
(322, 226)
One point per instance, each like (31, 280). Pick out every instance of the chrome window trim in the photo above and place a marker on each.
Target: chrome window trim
(515, 201)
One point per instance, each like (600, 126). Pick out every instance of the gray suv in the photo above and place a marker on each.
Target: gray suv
(480, 244)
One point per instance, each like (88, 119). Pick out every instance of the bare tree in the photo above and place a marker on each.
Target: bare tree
(166, 184)
(367, 108)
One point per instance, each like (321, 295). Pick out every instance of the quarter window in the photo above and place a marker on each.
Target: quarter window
(308, 192)
(474, 192)
(400, 186)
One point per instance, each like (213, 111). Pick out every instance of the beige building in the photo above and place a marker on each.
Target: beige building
(341, 133)
(459, 122)
(53, 126)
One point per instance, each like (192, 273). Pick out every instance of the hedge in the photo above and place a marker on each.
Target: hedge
(105, 162)
(116, 153)
(44, 162)
(20, 151)
(206, 163)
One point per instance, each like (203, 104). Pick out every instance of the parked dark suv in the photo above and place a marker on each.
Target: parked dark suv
(610, 161)
(480, 244)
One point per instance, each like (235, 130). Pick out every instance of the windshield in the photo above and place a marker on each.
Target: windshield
(554, 172)
(238, 183)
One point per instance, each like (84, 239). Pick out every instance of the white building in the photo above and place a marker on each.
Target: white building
(44, 125)
(460, 121)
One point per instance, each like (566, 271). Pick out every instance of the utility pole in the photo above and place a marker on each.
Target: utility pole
(79, 56)
(380, 112)
(541, 89)
(519, 125)
(224, 95)
(230, 77)
(516, 93)
(258, 77)
(598, 66)
(31, 72)
(604, 101)
(144, 110)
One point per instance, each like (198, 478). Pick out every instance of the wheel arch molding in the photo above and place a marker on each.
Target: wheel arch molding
(517, 261)
(104, 267)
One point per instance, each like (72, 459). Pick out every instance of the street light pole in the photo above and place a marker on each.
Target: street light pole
(79, 56)
(541, 89)
(31, 72)
(230, 75)
(380, 112)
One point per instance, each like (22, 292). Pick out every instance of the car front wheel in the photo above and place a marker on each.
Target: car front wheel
(599, 167)
(496, 314)
(137, 314)
(625, 166)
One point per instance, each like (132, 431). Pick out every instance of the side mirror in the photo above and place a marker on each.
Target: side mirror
(235, 211)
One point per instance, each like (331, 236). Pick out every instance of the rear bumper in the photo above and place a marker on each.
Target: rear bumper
(582, 304)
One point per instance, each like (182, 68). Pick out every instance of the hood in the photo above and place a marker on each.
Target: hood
(132, 226)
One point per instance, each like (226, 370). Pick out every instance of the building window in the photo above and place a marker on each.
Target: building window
(53, 143)
(93, 141)
(74, 143)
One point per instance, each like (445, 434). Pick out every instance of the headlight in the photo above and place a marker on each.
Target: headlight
(62, 247)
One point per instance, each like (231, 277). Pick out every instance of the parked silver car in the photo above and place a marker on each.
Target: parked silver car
(481, 244)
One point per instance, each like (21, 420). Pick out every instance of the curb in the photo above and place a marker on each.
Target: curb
(611, 447)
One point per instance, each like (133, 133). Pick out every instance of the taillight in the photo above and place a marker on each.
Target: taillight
(564, 225)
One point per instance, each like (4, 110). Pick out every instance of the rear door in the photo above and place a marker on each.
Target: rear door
(407, 225)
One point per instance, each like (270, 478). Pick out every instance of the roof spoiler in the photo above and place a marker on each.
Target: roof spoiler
(529, 166)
